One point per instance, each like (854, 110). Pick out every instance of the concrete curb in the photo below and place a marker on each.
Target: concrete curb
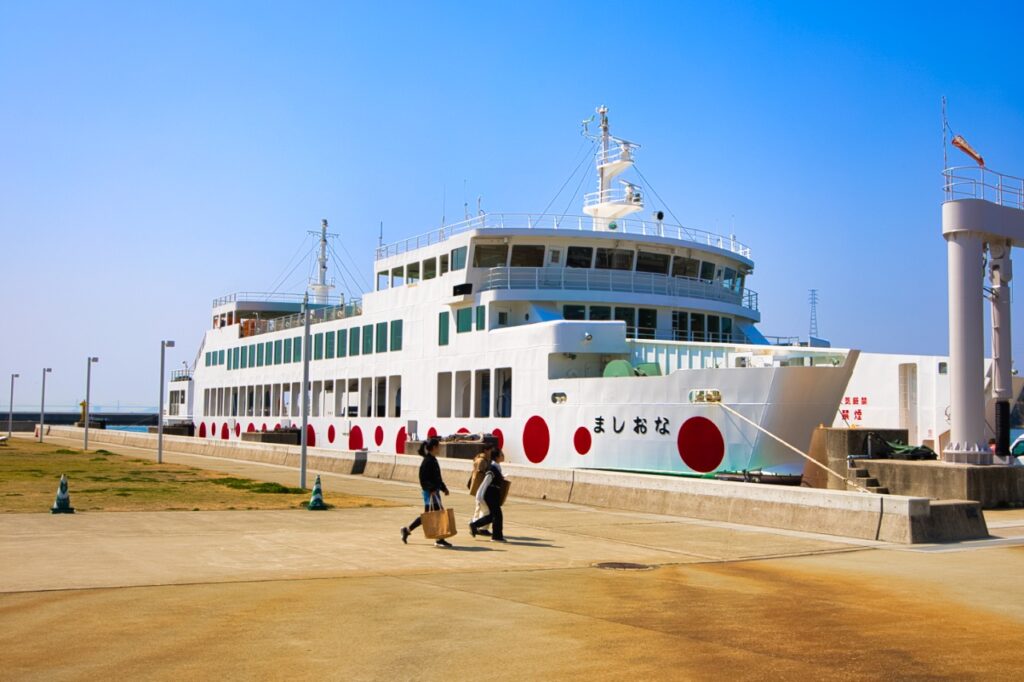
(888, 518)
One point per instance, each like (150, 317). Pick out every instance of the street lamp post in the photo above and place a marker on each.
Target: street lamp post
(88, 382)
(305, 390)
(42, 405)
(10, 410)
(164, 345)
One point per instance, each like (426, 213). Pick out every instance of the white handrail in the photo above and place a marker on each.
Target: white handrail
(978, 182)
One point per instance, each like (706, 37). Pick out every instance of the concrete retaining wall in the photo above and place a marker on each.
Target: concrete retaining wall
(991, 485)
(889, 518)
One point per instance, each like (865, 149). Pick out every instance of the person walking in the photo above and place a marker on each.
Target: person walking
(490, 492)
(481, 465)
(432, 486)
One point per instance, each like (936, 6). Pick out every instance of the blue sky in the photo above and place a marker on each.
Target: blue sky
(155, 156)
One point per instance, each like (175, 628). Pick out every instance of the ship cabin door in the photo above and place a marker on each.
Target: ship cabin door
(554, 257)
(908, 400)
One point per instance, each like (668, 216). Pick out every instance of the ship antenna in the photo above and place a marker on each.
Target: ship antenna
(814, 313)
(321, 290)
(945, 127)
(380, 235)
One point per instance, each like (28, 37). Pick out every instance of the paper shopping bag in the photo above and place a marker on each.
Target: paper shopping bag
(439, 524)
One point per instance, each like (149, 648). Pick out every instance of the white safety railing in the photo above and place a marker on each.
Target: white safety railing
(621, 195)
(353, 308)
(622, 151)
(585, 279)
(976, 182)
(505, 221)
(262, 297)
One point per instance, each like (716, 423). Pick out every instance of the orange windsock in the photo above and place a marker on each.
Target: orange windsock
(960, 143)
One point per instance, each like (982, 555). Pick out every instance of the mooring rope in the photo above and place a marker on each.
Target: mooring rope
(793, 448)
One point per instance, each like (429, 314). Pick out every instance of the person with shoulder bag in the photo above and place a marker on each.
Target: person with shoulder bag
(481, 465)
(491, 492)
(432, 486)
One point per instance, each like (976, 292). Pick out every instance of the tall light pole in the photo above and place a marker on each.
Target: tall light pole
(164, 345)
(88, 382)
(305, 389)
(10, 410)
(42, 405)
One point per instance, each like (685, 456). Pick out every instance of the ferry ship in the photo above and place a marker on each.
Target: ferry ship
(602, 340)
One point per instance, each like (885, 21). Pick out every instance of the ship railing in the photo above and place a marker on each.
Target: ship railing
(263, 297)
(978, 182)
(585, 279)
(353, 308)
(181, 375)
(504, 221)
(688, 335)
(617, 195)
(622, 151)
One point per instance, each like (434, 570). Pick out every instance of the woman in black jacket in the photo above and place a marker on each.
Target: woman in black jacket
(432, 486)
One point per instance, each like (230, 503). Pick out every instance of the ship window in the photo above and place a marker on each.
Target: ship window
(652, 262)
(381, 394)
(395, 396)
(277, 352)
(697, 326)
(444, 395)
(245, 357)
(503, 392)
(614, 259)
(430, 268)
(647, 323)
(259, 355)
(329, 345)
(729, 278)
(726, 329)
(443, 258)
(527, 256)
(353, 341)
(707, 271)
(685, 267)
(220, 358)
(382, 280)
(680, 325)
(554, 257)
(367, 339)
(490, 255)
(318, 347)
(366, 396)
(396, 335)
(463, 393)
(442, 329)
(398, 276)
(342, 342)
(458, 258)
(269, 351)
(482, 393)
(574, 312)
(412, 273)
(463, 320)
(502, 318)
(481, 318)
(296, 349)
(252, 355)
(943, 368)
(382, 338)
(627, 315)
(714, 328)
(579, 257)
(600, 312)
(287, 351)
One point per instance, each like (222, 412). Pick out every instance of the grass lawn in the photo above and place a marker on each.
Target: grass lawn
(102, 481)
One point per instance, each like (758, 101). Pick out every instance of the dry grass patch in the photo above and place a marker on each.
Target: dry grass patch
(100, 480)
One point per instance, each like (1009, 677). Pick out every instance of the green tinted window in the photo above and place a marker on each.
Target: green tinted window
(367, 339)
(220, 358)
(464, 320)
(259, 355)
(318, 346)
(297, 349)
(269, 350)
(396, 335)
(277, 352)
(459, 258)
(481, 317)
(287, 350)
(442, 329)
(342, 342)
(329, 345)
(382, 337)
(353, 341)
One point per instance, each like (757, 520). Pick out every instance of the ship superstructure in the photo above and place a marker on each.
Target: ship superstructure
(602, 340)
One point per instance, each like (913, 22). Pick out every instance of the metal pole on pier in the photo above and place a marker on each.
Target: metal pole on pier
(42, 405)
(88, 382)
(10, 408)
(164, 345)
(305, 389)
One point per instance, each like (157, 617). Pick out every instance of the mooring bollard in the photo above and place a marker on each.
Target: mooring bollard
(62, 505)
(316, 502)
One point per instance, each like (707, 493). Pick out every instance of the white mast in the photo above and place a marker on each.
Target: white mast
(608, 204)
(322, 290)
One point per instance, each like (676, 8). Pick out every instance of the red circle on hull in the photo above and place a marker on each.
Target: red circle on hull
(378, 435)
(536, 439)
(581, 440)
(310, 436)
(330, 433)
(400, 440)
(355, 438)
(701, 444)
(500, 436)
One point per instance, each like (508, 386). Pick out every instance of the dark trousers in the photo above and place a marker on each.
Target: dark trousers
(435, 504)
(495, 517)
